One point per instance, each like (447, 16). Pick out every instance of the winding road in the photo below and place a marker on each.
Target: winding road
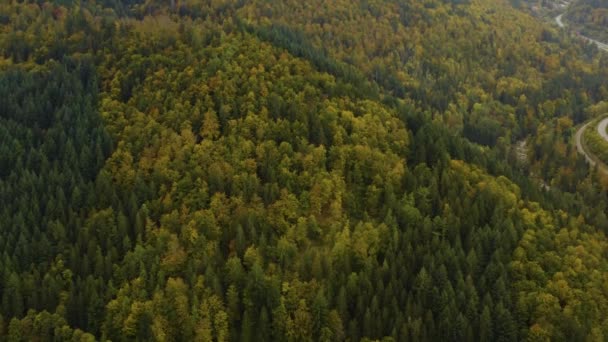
(599, 44)
(601, 129)
(580, 145)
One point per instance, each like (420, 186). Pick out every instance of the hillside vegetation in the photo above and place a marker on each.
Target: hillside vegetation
(296, 171)
(590, 17)
(595, 142)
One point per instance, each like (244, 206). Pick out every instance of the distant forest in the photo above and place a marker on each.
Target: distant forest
(590, 17)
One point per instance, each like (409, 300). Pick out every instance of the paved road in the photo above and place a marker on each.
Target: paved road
(559, 21)
(601, 129)
(599, 44)
(579, 144)
(581, 147)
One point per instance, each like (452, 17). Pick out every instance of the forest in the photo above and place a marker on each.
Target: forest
(222, 170)
(590, 17)
(594, 142)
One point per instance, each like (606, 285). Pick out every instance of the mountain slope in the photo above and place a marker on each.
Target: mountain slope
(590, 18)
(212, 180)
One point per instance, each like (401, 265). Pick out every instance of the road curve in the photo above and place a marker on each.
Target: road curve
(580, 146)
(601, 129)
(559, 21)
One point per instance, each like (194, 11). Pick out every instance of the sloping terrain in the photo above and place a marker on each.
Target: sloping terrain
(272, 171)
(590, 17)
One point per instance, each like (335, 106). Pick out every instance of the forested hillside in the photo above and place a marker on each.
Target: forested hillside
(590, 17)
(297, 171)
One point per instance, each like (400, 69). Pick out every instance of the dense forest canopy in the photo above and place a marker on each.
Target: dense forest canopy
(297, 171)
(590, 17)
